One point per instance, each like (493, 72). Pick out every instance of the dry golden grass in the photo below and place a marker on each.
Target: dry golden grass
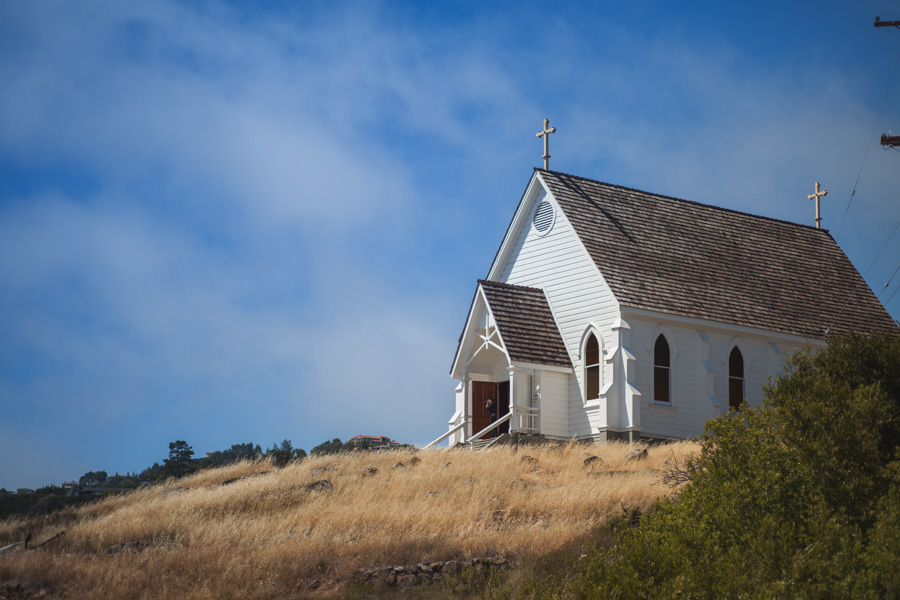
(265, 536)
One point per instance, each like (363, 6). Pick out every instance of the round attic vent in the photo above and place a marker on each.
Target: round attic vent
(543, 217)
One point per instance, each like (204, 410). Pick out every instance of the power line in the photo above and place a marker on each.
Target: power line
(889, 282)
(853, 192)
(891, 297)
(868, 147)
(883, 246)
(872, 264)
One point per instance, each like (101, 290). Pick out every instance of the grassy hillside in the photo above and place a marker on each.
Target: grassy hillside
(250, 530)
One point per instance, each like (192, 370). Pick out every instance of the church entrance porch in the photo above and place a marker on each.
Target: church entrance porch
(488, 368)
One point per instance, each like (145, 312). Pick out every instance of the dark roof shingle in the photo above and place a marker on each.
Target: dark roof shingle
(526, 324)
(694, 260)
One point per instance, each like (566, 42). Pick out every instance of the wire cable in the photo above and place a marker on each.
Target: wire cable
(889, 282)
(872, 264)
(868, 147)
(891, 297)
(883, 246)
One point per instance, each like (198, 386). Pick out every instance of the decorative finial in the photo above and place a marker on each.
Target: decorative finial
(546, 135)
(816, 197)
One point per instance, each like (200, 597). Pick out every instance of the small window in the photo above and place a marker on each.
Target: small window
(661, 370)
(735, 379)
(592, 367)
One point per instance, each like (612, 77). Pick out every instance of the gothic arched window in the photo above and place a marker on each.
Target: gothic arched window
(735, 378)
(661, 370)
(592, 372)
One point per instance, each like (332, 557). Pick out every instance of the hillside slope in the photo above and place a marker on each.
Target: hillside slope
(250, 530)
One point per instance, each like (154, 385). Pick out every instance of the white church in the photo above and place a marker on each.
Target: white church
(611, 313)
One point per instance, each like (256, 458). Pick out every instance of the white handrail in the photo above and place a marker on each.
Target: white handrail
(446, 435)
(490, 427)
(523, 412)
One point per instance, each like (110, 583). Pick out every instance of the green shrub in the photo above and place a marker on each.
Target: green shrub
(799, 497)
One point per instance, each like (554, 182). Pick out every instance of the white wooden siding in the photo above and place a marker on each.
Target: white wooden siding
(577, 293)
(578, 296)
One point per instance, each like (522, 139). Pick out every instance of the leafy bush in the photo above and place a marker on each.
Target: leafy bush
(799, 497)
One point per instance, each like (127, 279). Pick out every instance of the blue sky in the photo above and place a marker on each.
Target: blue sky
(226, 223)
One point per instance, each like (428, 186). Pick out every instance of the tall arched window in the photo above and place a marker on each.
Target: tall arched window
(592, 367)
(735, 378)
(661, 370)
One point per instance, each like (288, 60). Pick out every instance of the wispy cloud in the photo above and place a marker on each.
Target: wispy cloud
(222, 224)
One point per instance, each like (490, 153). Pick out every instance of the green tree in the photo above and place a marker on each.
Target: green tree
(332, 447)
(799, 497)
(237, 452)
(154, 473)
(244, 451)
(180, 461)
(283, 453)
(93, 478)
(46, 505)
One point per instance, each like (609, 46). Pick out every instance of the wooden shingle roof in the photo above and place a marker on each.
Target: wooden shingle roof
(689, 259)
(526, 324)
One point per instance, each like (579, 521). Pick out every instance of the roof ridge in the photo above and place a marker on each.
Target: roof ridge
(694, 202)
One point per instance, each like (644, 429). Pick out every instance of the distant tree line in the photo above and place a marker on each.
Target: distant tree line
(180, 463)
(336, 446)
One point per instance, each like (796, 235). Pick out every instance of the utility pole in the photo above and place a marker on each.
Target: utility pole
(888, 141)
(880, 23)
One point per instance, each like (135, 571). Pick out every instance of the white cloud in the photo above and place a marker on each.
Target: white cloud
(230, 227)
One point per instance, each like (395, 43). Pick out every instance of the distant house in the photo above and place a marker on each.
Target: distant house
(372, 441)
(612, 313)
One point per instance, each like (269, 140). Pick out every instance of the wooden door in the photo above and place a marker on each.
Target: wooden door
(503, 405)
(481, 391)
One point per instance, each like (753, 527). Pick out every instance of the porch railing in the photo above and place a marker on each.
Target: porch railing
(453, 430)
(527, 420)
(489, 428)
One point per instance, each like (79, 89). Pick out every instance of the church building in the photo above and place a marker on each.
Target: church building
(612, 313)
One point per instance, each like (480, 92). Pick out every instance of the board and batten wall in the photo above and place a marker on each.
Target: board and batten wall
(699, 372)
(553, 389)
